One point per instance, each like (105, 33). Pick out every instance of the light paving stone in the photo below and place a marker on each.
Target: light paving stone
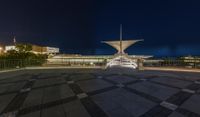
(32, 80)
(5, 100)
(120, 85)
(120, 98)
(99, 77)
(176, 114)
(82, 95)
(25, 90)
(121, 79)
(75, 109)
(192, 104)
(156, 90)
(197, 82)
(33, 98)
(56, 111)
(9, 114)
(92, 85)
(188, 91)
(32, 114)
(70, 82)
(169, 105)
(172, 81)
(143, 79)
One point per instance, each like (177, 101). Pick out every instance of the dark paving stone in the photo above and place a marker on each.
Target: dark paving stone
(16, 103)
(176, 114)
(33, 114)
(101, 90)
(18, 100)
(179, 98)
(93, 109)
(187, 113)
(194, 87)
(158, 111)
(76, 89)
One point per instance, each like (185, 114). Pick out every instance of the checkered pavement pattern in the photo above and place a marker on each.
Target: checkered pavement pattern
(98, 95)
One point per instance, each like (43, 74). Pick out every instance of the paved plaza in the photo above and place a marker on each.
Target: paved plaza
(99, 93)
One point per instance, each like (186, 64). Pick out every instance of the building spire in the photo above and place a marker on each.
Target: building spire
(14, 40)
(120, 38)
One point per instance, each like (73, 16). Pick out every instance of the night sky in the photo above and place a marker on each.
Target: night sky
(168, 27)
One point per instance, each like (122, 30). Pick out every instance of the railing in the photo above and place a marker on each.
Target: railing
(188, 63)
(19, 63)
(76, 61)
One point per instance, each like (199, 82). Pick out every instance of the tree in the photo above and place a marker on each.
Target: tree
(24, 48)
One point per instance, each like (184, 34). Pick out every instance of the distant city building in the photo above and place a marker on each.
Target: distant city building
(37, 49)
(11, 47)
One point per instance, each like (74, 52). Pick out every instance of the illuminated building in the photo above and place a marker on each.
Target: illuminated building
(36, 49)
(122, 59)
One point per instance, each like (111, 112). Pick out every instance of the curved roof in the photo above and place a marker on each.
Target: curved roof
(125, 44)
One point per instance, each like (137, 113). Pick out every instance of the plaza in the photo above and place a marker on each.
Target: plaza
(99, 93)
